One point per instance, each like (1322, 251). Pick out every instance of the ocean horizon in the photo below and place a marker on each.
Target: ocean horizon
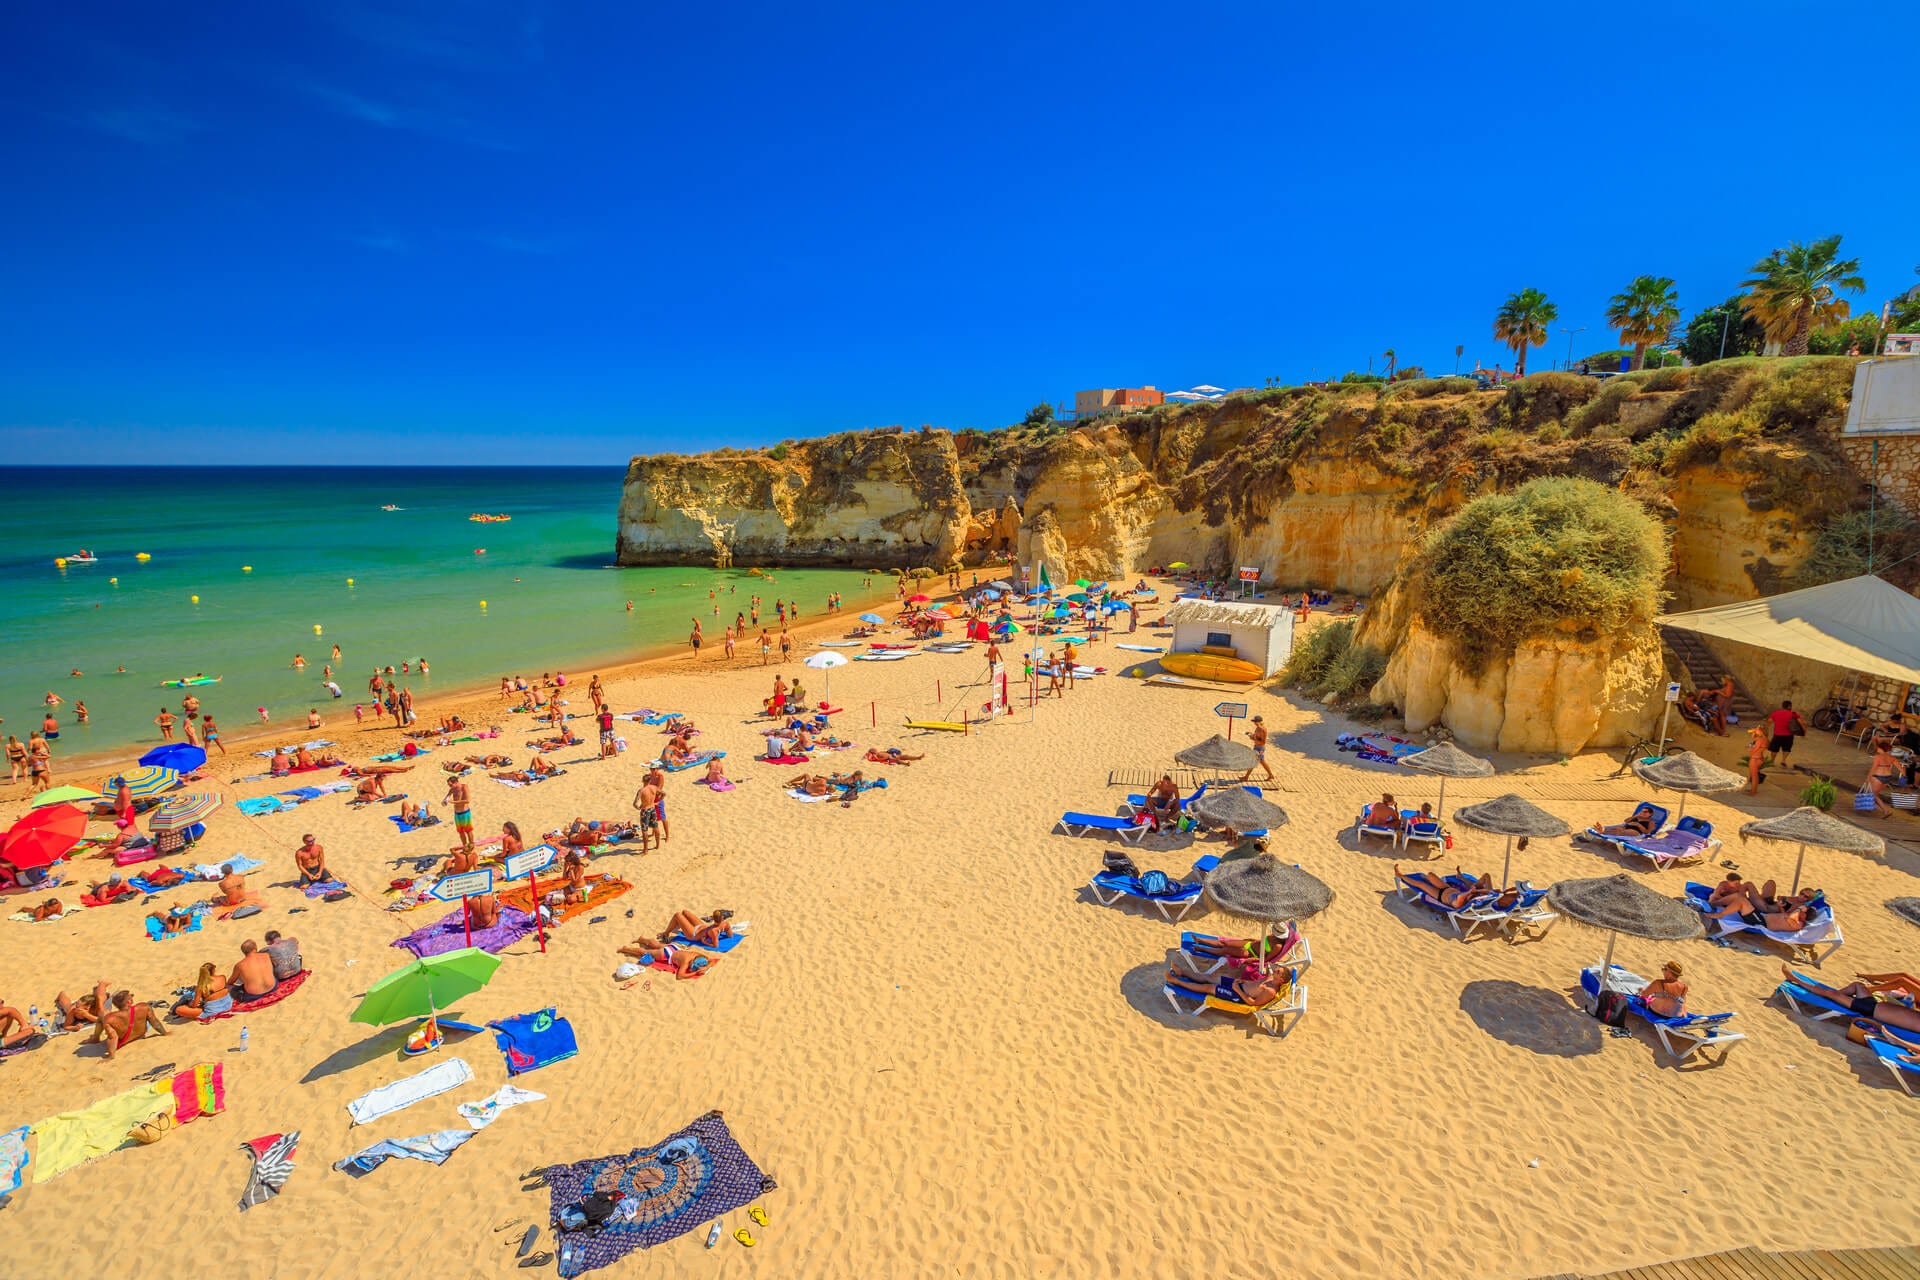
(250, 566)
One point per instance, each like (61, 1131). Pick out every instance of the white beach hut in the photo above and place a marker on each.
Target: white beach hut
(1258, 633)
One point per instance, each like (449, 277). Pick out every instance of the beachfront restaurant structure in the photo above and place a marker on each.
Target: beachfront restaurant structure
(1258, 633)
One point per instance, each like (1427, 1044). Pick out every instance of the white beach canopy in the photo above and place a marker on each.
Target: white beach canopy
(826, 661)
(1861, 624)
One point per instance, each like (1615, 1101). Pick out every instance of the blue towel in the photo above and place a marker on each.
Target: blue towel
(259, 805)
(723, 946)
(305, 793)
(534, 1040)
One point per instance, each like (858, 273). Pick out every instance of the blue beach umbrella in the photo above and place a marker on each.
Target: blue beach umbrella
(874, 618)
(181, 757)
(1078, 597)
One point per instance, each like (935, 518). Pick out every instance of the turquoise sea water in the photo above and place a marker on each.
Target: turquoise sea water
(552, 599)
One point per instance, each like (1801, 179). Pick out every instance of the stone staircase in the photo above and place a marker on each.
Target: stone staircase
(1706, 670)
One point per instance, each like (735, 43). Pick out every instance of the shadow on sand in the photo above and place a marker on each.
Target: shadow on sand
(1530, 1018)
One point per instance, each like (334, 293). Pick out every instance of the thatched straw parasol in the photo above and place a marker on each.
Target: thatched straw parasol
(1907, 909)
(1448, 761)
(1238, 808)
(1686, 773)
(1510, 815)
(1620, 904)
(1264, 888)
(1217, 753)
(1809, 826)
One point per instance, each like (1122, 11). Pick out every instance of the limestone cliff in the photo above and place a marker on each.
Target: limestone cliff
(866, 499)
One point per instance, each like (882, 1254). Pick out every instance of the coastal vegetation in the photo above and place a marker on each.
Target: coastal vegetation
(1796, 290)
(1522, 322)
(1645, 313)
(1557, 553)
(1331, 662)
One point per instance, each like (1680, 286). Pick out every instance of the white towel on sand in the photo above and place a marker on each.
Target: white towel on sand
(480, 1114)
(389, 1098)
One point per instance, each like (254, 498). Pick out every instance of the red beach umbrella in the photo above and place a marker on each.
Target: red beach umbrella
(43, 835)
(918, 599)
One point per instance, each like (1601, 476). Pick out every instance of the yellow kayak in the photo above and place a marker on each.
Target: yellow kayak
(1210, 666)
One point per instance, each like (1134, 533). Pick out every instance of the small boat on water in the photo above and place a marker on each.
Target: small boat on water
(481, 517)
(391, 507)
(82, 556)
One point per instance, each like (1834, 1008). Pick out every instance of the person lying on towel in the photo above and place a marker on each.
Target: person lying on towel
(706, 931)
(821, 784)
(417, 815)
(174, 919)
(1258, 992)
(491, 760)
(539, 768)
(75, 1014)
(51, 909)
(114, 886)
(684, 961)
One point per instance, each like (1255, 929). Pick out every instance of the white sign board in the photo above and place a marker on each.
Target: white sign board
(468, 884)
(1673, 691)
(1249, 573)
(527, 861)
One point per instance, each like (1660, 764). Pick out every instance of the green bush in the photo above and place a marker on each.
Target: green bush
(1706, 439)
(1603, 409)
(1511, 566)
(1427, 388)
(1806, 393)
(921, 573)
(779, 451)
(1328, 661)
(1672, 378)
(1820, 793)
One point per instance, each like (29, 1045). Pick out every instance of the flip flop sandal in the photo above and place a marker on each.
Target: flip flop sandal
(507, 1224)
(758, 1214)
(539, 1259)
(538, 1182)
(745, 1238)
(526, 1241)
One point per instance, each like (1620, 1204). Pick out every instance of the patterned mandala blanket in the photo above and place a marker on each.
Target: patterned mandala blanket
(683, 1183)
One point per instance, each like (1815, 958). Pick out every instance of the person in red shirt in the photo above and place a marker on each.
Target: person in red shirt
(1786, 724)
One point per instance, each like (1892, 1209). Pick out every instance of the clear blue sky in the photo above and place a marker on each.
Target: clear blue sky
(572, 232)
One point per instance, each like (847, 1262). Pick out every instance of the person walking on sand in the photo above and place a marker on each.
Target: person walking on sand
(694, 639)
(1257, 736)
(462, 804)
(786, 645)
(1786, 725)
(165, 721)
(766, 646)
(727, 640)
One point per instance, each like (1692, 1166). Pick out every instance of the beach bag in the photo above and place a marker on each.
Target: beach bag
(1860, 1030)
(596, 1207)
(1120, 864)
(1863, 800)
(1611, 1008)
(1904, 799)
(1157, 884)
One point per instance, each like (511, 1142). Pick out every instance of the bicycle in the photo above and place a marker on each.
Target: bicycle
(1836, 713)
(1642, 749)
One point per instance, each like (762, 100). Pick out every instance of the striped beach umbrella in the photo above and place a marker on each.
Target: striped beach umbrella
(148, 780)
(181, 812)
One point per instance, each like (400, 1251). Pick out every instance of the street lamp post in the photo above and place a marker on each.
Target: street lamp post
(1570, 333)
(1726, 318)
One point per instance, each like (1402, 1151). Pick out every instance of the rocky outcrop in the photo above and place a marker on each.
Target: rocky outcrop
(869, 499)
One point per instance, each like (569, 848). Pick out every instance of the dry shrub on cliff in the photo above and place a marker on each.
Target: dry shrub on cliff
(1841, 547)
(1330, 661)
(1544, 397)
(1555, 551)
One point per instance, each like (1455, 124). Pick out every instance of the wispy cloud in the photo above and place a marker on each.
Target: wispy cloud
(520, 244)
(379, 241)
(146, 124)
(427, 120)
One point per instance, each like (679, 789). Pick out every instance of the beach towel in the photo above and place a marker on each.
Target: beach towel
(449, 933)
(322, 888)
(660, 717)
(697, 758)
(395, 757)
(239, 862)
(723, 784)
(479, 1115)
(26, 917)
(785, 759)
(147, 884)
(534, 1040)
(72, 1138)
(805, 798)
(272, 1166)
(286, 988)
(119, 894)
(601, 890)
(31, 1042)
(13, 1160)
(200, 1090)
(403, 1093)
(240, 910)
(260, 806)
(723, 946)
(404, 825)
(158, 933)
(315, 745)
(434, 1148)
(693, 1177)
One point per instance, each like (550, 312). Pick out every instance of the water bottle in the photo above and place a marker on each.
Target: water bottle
(243, 1039)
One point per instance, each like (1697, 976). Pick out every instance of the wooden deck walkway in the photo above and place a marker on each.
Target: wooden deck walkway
(1753, 1264)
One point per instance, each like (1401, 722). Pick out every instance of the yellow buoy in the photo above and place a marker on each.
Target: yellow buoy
(61, 561)
(246, 568)
(143, 556)
(114, 581)
(195, 599)
(349, 581)
(483, 604)
(316, 628)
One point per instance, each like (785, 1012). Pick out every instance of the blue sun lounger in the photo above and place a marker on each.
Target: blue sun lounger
(1138, 804)
(1681, 1037)
(1110, 888)
(1527, 909)
(1896, 1056)
(1300, 955)
(1813, 944)
(1078, 824)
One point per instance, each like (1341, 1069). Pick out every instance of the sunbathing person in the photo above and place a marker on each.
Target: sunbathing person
(539, 768)
(460, 861)
(680, 726)
(1644, 822)
(684, 961)
(211, 995)
(417, 815)
(311, 860)
(1755, 913)
(233, 887)
(252, 978)
(895, 755)
(677, 753)
(1859, 996)
(1274, 946)
(114, 886)
(51, 909)
(1163, 802)
(716, 772)
(814, 784)
(15, 1030)
(1666, 995)
(175, 919)
(1384, 813)
(75, 1014)
(492, 760)
(706, 931)
(125, 837)
(1257, 992)
(1728, 889)
(483, 912)
(127, 1021)
(574, 887)
(281, 764)
(1449, 896)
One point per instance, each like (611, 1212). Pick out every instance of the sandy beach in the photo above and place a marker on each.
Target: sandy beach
(950, 1058)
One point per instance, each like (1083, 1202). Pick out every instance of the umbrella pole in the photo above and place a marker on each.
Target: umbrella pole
(1440, 808)
(1800, 858)
(1683, 809)
(1507, 864)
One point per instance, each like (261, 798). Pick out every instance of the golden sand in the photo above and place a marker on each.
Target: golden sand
(954, 1063)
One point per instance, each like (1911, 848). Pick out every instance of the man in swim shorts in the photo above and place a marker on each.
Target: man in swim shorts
(253, 975)
(462, 802)
(1257, 738)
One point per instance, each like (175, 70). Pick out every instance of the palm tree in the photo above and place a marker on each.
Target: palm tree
(1522, 322)
(1393, 362)
(1646, 313)
(1793, 291)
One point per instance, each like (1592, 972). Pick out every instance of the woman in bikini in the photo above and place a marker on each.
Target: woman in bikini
(1256, 992)
(707, 932)
(211, 995)
(510, 840)
(684, 961)
(1445, 894)
(1642, 823)
(1276, 946)
(1666, 995)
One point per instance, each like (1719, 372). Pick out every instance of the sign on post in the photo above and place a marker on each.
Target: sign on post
(1230, 711)
(1249, 573)
(528, 861)
(1673, 691)
(466, 884)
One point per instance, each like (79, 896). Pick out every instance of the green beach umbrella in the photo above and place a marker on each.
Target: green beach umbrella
(1178, 564)
(65, 795)
(1081, 583)
(427, 986)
